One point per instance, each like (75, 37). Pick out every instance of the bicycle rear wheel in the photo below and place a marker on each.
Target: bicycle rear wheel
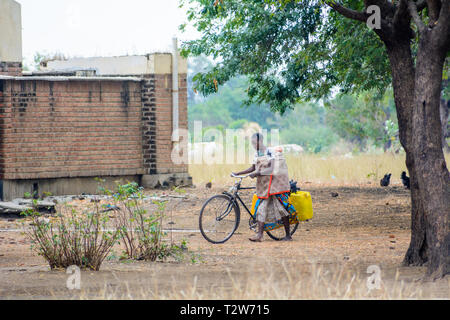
(219, 219)
(280, 233)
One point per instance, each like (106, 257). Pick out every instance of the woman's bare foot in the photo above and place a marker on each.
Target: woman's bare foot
(256, 238)
(287, 228)
(259, 235)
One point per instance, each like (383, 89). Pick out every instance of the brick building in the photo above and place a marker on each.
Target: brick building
(96, 117)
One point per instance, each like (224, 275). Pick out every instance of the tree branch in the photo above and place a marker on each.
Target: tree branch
(413, 12)
(443, 25)
(384, 5)
(446, 4)
(434, 8)
(421, 4)
(444, 11)
(348, 13)
(402, 8)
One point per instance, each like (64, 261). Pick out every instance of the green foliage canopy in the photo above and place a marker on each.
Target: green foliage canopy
(291, 51)
(363, 119)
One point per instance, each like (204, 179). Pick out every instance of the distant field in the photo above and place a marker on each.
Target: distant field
(332, 170)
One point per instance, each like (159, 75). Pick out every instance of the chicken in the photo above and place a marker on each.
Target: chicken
(386, 180)
(405, 180)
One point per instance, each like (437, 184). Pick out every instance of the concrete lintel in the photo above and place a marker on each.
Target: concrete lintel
(137, 65)
(10, 31)
(161, 63)
(70, 78)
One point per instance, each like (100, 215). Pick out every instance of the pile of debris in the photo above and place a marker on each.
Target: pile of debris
(18, 206)
(47, 205)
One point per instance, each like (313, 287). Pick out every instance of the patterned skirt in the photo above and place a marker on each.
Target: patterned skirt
(274, 208)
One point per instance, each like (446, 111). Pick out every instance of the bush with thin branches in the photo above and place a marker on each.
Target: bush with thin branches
(72, 238)
(141, 229)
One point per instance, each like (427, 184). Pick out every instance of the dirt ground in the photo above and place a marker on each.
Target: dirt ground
(363, 226)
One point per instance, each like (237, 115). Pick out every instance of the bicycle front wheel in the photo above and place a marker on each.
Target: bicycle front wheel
(219, 219)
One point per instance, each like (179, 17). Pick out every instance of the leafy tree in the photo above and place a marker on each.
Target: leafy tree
(360, 120)
(228, 105)
(363, 119)
(238, 124)
(306, 125)
(294, 50)
(196, 65)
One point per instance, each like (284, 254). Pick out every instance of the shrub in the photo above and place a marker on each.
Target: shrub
(141, 229)
(80, 239)
(85, 239)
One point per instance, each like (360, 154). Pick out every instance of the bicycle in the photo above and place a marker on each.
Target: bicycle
(227, 215)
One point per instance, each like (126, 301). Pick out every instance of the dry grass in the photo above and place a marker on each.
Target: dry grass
(363, 226)
(328, 170)
(292, 282)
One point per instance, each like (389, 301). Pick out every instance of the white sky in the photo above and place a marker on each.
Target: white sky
(100, 27)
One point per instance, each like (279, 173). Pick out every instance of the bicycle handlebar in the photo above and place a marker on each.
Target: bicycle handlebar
(239, 177)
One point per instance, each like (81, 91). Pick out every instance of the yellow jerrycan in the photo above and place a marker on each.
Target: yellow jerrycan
(302, 203)
(255, 198)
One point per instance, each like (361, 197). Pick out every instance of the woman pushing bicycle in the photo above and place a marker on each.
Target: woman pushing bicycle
(272, 187)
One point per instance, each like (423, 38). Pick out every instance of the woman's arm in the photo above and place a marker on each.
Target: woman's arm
(249, 170)
(265, 171)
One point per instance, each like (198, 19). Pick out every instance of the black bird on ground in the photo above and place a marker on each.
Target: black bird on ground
(405, 180)
(386, 180)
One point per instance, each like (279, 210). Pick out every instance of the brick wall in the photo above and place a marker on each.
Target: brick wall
(55, 129)
(52, 129)
(10, 68)
(149, 125)
(2, 129)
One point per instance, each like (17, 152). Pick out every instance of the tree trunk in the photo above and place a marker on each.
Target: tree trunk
(417, 92)
(417, 98)
(445, 106)
(403, 81)
(417, 254)
(429, 160)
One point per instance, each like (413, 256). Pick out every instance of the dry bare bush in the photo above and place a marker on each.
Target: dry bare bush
(73, 238)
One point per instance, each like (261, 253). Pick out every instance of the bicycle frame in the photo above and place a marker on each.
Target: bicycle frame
(234, 202)
(235, 195)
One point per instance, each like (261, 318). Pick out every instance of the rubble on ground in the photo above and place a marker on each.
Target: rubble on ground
(48, 204)
(18, 206)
